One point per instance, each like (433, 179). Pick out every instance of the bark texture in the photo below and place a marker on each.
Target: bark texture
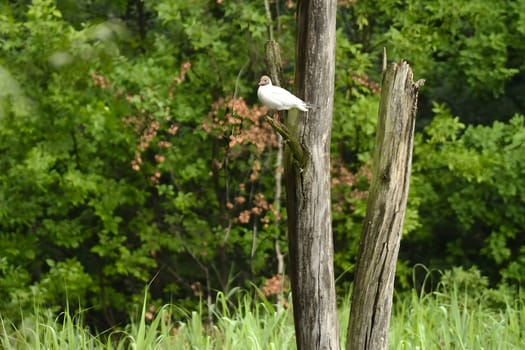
(381, 236)
(308, 181)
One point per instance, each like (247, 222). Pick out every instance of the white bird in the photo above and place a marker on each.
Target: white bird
(278, 98)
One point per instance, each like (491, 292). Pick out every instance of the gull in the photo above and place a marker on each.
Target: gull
(278, 98)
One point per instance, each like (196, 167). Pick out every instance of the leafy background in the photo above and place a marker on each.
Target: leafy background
(133, 149)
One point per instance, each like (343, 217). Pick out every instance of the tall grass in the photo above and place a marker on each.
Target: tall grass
(456, 320)
(452, 320)
(43, 331)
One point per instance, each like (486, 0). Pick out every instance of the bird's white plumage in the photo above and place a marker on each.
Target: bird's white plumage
(278, 98)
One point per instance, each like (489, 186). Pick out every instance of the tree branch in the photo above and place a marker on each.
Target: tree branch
(296, 149)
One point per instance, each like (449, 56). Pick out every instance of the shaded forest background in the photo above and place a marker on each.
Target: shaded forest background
(133, 149)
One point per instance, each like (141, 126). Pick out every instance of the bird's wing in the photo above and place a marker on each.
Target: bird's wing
(283, 96)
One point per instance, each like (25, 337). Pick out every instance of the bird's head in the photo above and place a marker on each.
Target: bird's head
(265, 80)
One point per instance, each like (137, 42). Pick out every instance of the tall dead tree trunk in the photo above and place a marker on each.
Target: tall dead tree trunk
(379, 246)
(308, 180)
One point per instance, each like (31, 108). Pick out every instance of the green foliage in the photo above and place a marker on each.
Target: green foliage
(469, 60)
(429, 28)
(356, 103)
(470, 190)
(134, 146)
(128, 159)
